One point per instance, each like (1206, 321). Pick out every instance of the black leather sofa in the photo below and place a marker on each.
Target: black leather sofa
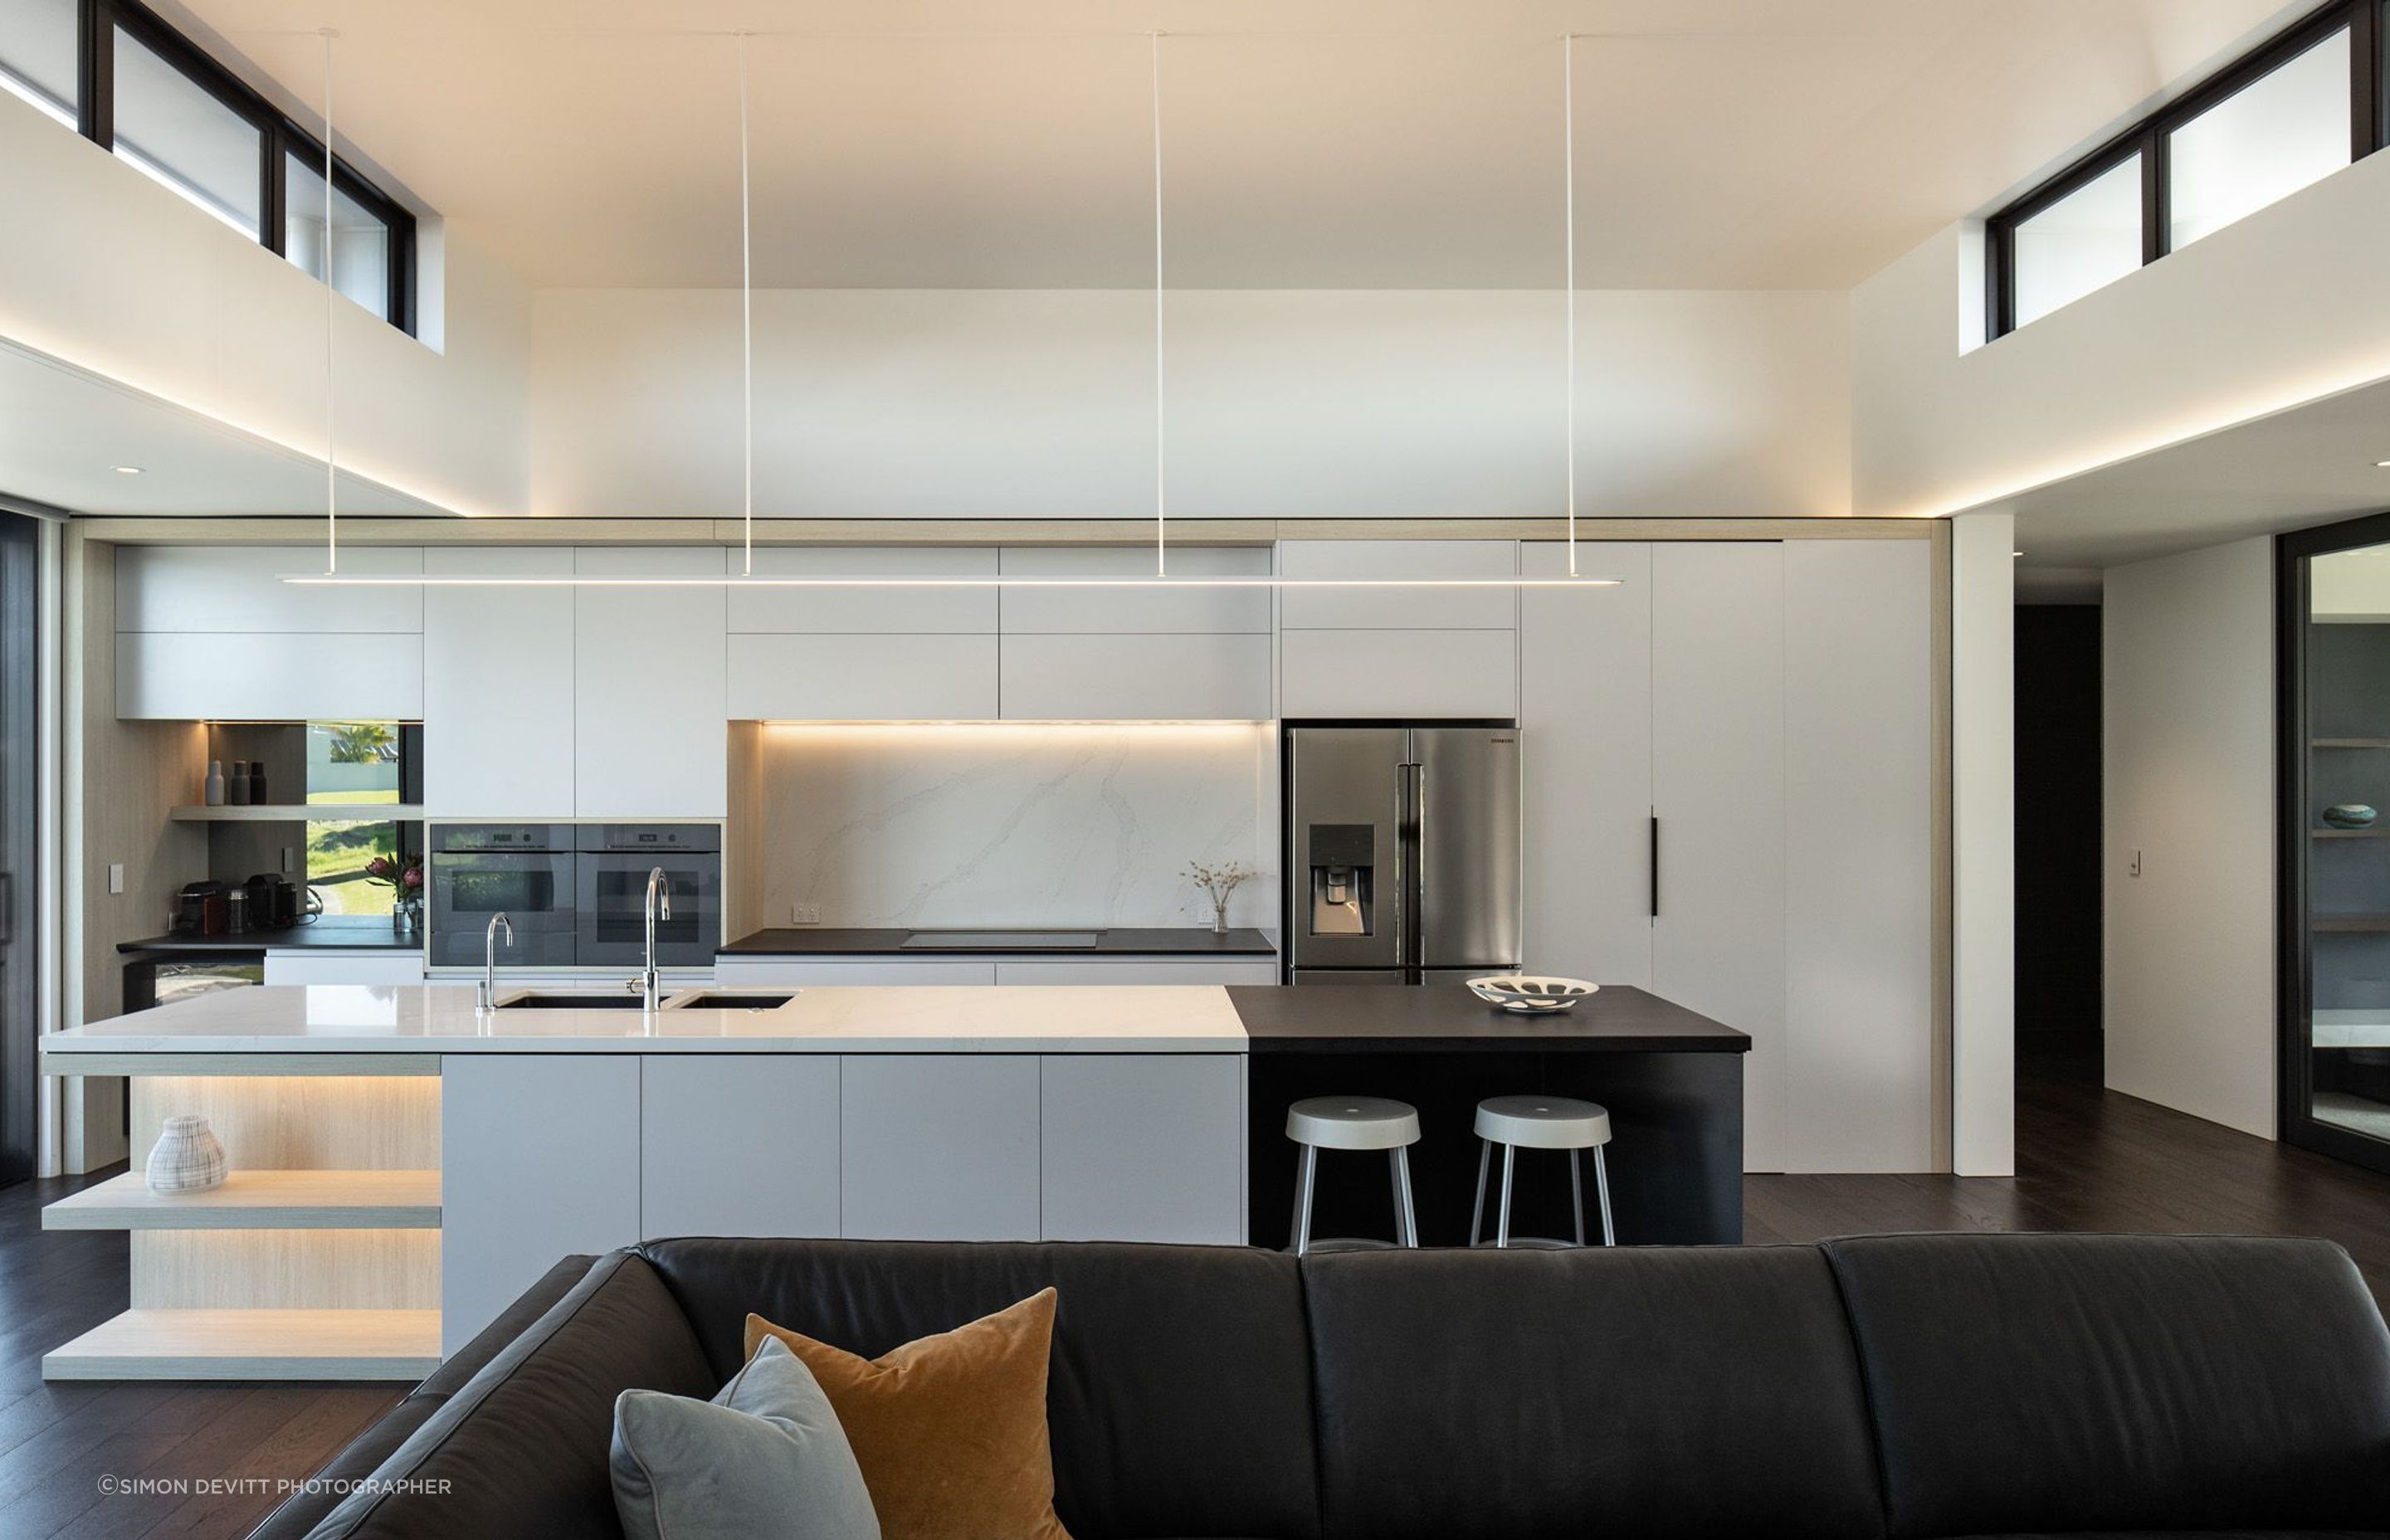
(1915, 1386)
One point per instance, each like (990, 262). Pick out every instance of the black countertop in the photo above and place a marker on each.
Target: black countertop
(325, 936)
(815, 941)
(1446, 1017)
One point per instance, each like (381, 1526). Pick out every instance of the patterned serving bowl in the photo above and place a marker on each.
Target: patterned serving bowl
(1529, 994)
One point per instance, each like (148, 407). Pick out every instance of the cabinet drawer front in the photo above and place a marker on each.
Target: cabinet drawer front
(1144, 1147)
(1399, 674)
(1028, 611)
(863, 611)
(239, 588)
(795, 678)
(938, 1147)
(1407, 608)
(708, 1166)
(351, 968)
(1137, 677)
(269, 676)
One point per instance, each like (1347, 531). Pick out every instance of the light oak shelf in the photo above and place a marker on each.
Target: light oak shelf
(2382, 833)
(284, 813)
(259, 1201)
(253, 1344)
(2349, 924)
(2349, 742)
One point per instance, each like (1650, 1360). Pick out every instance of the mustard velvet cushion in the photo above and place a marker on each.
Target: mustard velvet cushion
(950, 1430)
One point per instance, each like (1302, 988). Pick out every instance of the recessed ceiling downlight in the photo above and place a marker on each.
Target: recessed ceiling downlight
(126, 470)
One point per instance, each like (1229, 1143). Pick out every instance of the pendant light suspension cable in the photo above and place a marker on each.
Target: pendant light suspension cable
(1568, 243)
(331, 297)
(1160, 431)
(746, 329)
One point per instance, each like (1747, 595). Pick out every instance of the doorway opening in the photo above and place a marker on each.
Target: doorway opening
(2058, 968)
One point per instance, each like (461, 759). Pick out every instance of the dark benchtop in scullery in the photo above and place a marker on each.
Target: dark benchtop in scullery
(1444, 1017)
(819, 941)
(364, 934)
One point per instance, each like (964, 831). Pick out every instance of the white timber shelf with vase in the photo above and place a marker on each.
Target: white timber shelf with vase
(281, 813)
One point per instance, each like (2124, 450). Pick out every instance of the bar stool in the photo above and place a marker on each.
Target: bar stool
(1354, 1122)
(1542, 1122)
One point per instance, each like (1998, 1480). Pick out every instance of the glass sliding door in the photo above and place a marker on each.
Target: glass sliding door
(2332, 616)
(19, 567)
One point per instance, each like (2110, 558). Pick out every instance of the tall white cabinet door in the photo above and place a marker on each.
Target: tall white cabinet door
(1859, 823)
(539, 1160)
(1718, 779)
(1584, 742)
(1144, 1147)
(650, 729)
(700, 1128)
(938, 1147)
(497, 688)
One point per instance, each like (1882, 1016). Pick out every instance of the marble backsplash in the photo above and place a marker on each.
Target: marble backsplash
(1035, 825)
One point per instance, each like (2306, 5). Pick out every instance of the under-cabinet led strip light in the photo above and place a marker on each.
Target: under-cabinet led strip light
(1162, 577)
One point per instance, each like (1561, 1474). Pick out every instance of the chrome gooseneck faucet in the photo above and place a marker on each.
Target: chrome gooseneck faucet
(498, 922)
(659, 906)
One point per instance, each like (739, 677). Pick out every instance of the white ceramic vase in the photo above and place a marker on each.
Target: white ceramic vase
(186, 1158)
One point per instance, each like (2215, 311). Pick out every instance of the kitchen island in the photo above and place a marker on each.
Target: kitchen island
(406, 1164)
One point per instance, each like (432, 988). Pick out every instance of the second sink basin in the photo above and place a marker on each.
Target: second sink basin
(543, 1000)
(713, 999)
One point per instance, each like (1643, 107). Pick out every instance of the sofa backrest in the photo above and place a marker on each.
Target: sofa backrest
(1473, 1395)
(2044, 1383)
(1179, 1394)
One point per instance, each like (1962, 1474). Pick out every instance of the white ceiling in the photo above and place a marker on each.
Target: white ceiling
(1310, 143)
(63, 429)
(2306, 465)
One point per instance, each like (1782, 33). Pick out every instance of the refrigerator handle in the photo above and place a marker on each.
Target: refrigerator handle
(1414, 942)
(1655, 865)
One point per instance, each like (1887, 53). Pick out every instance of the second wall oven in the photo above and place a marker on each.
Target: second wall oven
(611, 891)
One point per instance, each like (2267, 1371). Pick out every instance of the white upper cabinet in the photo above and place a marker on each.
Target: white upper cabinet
(1472, 675)
(1057, 610)
(1398, 607)
(497, 687)
(239, 588)
(859, 677)
(650, 721)
(866, 609)
(1130, 677)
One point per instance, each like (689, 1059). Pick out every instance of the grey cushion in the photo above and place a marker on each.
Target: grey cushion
(764, 1457)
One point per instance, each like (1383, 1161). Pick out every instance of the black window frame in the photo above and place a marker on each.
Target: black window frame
(280, 136)
(2149, 138)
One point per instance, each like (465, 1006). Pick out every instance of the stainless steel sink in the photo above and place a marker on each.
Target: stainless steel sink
(719, 999)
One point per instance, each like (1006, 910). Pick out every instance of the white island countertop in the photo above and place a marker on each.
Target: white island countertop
(434, 1018)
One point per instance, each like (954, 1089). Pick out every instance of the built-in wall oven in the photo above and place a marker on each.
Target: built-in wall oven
(524, 871)
(611, 889)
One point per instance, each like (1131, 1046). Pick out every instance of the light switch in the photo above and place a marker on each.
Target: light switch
(2137, 864)
(116, 877)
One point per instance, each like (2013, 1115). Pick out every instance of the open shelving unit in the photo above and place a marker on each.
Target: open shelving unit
(319, 1256)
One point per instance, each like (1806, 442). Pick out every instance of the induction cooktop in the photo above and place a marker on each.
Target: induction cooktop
(1002, 940)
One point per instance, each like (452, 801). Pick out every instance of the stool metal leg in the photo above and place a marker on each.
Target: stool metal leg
(1477, 1209)
(1502, 1220)
(1306, 1170)
(1602, 1185)
(1406, 1218)
(1576, 1194)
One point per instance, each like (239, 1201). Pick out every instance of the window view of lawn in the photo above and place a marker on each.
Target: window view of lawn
(349, 763)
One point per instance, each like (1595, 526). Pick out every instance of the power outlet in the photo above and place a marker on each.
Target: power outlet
(804, 914)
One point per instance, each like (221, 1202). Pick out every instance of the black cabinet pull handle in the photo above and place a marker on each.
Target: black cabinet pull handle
(1655, 865)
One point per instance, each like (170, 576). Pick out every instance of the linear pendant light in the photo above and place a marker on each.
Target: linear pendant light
(1162, 577)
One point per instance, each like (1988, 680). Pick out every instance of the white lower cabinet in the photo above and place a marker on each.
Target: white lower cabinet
(939, 1147)
(1143, 1146)
(389, 966)
(739, 1145)
(539, 1156)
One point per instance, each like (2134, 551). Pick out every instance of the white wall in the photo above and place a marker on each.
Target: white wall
(901, 404)
(107, 269)
(2187, 729)
(1017, 825)
(2289, 304)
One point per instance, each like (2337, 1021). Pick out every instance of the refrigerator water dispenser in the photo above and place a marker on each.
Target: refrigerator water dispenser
(1344, 858)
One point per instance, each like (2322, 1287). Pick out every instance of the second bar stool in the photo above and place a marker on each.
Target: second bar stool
(1542, 1122)
(1354, 1122)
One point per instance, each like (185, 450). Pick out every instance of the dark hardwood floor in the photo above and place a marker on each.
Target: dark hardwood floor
(2087, 1160)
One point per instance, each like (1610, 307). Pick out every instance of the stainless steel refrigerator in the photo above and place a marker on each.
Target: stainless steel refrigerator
(1401, 853)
